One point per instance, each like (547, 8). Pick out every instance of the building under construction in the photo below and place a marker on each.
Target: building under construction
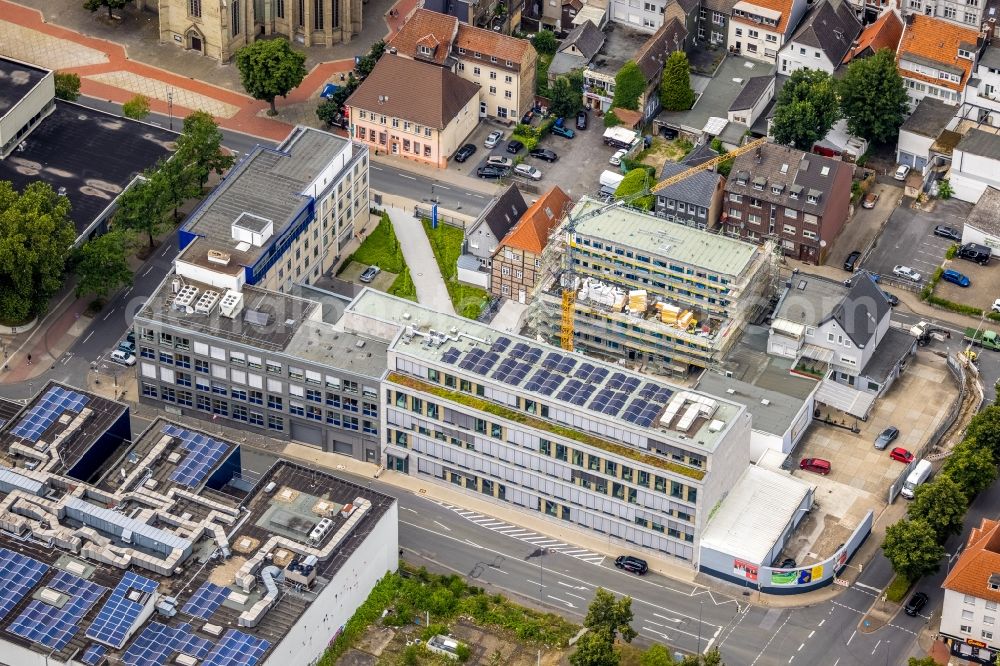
(665, 297)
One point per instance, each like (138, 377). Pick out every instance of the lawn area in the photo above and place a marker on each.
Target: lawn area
(664, 151)
(897, 589)
(446, 242)
(381, 249)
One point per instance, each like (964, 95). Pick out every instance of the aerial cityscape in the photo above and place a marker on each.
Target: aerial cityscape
(579, 332)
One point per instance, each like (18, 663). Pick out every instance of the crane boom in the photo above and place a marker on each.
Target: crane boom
(569, 293)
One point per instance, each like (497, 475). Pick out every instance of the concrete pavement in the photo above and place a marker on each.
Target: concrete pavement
(431, 290)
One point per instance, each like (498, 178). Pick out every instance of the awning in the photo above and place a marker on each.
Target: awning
(790, 328)
(846, 399)
(396, 452)
(817, 353)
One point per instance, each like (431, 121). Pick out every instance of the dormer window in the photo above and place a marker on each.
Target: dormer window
(994, 586)
(759, 183)
(742, 177)
(425, 50)
(493, 58)
(776, 189)
(510, 64)
(962, 53)
(812, 198)
(461, 51)
(477, 54)
(794, 191)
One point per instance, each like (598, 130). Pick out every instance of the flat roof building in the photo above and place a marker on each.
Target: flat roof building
(175, 549)
(586, 443)
(695, 289)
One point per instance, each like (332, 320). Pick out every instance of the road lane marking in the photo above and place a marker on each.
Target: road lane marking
(479, 196)
(852, 637)
(791, 658)
(445, 527)
(89, 335)
(821, 622)
(876, 646)
(372, 166)
(500, 571)
(570, 594)
(562, 601)
(442, 187)
(768, 643)
(148, 271)
(712, 640)
(406, 508)
(658, 633)
(802, 645)
(403, 175)
(472, 543)
(868, 587)
(811, 634)
(111, 312)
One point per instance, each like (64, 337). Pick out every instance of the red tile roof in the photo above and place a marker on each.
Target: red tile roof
(784, 7)
(936, 40)
(490, 43)
(531, 233)
(884, 33)
(980, 561)
(425, 28)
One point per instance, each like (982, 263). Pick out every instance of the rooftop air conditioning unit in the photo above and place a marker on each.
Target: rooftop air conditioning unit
(232, 304)
(185, 297)
(207, 301)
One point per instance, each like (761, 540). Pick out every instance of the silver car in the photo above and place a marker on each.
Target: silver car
(494, 139)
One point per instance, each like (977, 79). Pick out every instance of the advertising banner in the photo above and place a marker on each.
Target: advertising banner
(745, 569)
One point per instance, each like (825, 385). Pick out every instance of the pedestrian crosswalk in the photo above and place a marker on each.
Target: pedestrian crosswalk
(526, 535)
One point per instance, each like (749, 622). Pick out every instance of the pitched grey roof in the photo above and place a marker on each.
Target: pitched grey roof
(893, 346)
(653, 54)
(697, 188)
(929, 118)
(794, 171)
(831, 26)
(861, 310)
(756, 87)
(699, 155)
(985, 215)
(978, 142)
(722, 6)
(586, 37)
(687, 5)
(506, 210)
(991, 57)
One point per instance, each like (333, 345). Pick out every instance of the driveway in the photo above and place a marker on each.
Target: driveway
(431, 290)
(864, 224)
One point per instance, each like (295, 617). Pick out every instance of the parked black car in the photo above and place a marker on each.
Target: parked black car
(851, 262)
(975, 252)
(527, 118)
(632, 564)
(944, 231)
(581, 120)
(465, 152)
(787, 563)
(916, 602)
(514, 146)
(892, 298)
(544, 154)
(492, 172)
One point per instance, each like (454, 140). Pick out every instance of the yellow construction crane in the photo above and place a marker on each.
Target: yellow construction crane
(569, 286)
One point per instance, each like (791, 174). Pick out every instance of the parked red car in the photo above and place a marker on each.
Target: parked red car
(817, 465)
(902, 455)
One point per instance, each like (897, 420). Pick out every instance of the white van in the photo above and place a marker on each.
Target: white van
(916, 477)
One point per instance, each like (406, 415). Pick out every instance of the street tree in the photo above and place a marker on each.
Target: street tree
(635, 182)
(873, 97)
(94, 5)
(611, 616)
(911, 546)
(941, 504)
(136, 108)
(566, 100)
(67, 86)
(35, 238)
(142, 206)
(595, 648)
(629, 86)
(711, 658)
(370, 59)
(102, 264)
(176, 183)
(330, 108)
(984, 429)
(199, 147)
(270, 68)
(806, 109)
(657, 654)
(611, 119)
(545, 42)
(924, 661)
(971, 466)
(676, 93)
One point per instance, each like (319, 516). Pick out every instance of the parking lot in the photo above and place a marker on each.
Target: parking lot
(984, 284)
(864, 224)
(577, 171)
(909, 238)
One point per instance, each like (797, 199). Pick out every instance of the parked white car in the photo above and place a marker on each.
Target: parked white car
(906, 272)
(617, 158)
(122, 357)
(528, 171)
(996, 305)
(494, 139)
(901, 172)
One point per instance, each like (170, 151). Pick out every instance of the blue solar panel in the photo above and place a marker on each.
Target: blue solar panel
(206, 600)
(19, 574)
(120, 612)
(94, 654)
(47, 409)
(157, 643)
(237, 649)
(55, 627)
(203, 453)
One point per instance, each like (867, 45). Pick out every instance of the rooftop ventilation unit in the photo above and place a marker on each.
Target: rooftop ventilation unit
(320, 531)
(185, 297)
(207, 301)
(218, 257)
(232, 304)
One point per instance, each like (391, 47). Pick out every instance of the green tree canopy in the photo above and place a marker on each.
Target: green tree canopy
(971, 466)
(175, 182)
(873, 97)
(94, 5)
(370, 59)
(595, 648)
(199, 147)
(925, 661)
(545, 42)
(911, 546)
(270, 68)
(67, 85)
(657, 654)
(611, 119)
(566, 100)
(941, 504)
(629, 86)
(333, 105)
(35, 238)
(676, 93)
(984, 430)
(610, 615)
(806, 109)
(102, 264)
(635, 182)
(141, 207)
(136, 108)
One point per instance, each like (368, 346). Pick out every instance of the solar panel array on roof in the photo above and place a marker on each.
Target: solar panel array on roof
(237, 649)
(55, 627)
(157, 643)
(47, 409)
(93, 654)
(19, 574)
(203, 453)
(206, 600)
(121, 610)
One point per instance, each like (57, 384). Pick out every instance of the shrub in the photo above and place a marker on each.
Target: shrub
(611, 120)
(463, 652)
(952, 251)
(897, 589)
(432, 630)
(945, 190)
(960, 308)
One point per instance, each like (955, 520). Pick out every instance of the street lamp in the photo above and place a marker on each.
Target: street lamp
(539, 553)
(701, 607)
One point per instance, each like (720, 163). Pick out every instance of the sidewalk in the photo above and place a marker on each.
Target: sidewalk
(431, 289)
